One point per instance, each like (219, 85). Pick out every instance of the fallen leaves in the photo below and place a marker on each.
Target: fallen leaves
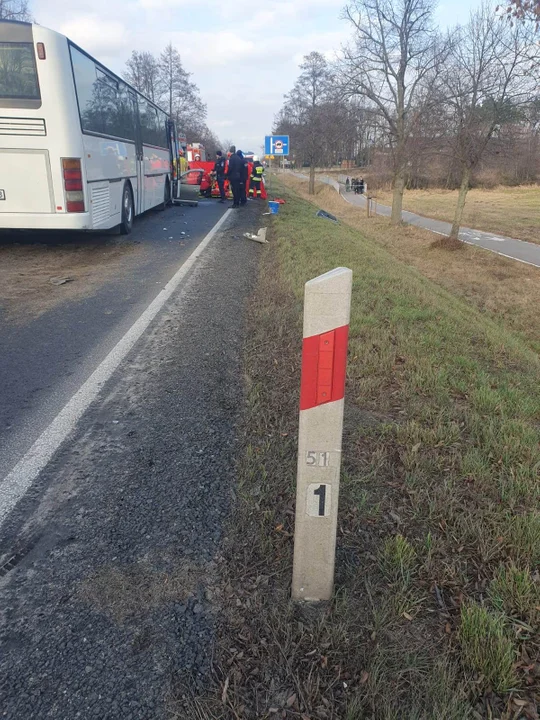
(364, 677)
(291, 700)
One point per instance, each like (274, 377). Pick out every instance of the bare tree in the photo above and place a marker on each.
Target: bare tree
(304, 110)
(490, 77)
(180, 95)
(167, 83)
(143, 72)
(530, 131)
(210, 141)
(15, 10)
(394, 55)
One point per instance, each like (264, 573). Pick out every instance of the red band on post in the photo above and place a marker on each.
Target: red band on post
(324, 365)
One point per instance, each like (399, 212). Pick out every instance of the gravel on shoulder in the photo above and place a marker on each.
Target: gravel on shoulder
(110, 561)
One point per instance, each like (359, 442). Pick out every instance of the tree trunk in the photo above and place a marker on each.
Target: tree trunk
(312, 179)
(397, 200)
(463, 190)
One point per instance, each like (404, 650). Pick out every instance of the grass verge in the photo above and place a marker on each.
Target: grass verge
(436, 587)
(503, 289)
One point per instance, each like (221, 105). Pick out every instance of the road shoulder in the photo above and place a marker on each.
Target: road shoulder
(108, 593)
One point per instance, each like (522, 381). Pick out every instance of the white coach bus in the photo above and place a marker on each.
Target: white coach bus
(80, 149)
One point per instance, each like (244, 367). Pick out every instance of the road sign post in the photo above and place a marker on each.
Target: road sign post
(327, 303)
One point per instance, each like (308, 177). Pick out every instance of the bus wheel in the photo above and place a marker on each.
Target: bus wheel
(166, 195)
(126, 225)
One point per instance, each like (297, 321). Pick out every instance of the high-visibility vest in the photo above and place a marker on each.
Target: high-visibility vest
(257, 173)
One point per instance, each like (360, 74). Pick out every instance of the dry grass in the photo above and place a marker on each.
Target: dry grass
(438, 499)
(503, 289)
(510, 211)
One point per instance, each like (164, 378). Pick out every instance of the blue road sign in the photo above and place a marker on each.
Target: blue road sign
(276, 145)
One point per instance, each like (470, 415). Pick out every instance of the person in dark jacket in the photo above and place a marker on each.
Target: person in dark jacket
(236, 170)
(243, 178)
(219, 169)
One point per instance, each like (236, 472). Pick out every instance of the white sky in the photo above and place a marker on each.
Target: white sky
(244, 56)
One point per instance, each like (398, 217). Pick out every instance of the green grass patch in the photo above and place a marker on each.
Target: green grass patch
(437, 510)
(516, 592)
(398, 557)
(487, 647)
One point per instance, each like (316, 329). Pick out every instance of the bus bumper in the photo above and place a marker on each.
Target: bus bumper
(42, 221)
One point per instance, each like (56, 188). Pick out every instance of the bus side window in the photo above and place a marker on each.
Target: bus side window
(125, 113)
(148, 122)
(104, 102)
(85, 84)
(105, 98)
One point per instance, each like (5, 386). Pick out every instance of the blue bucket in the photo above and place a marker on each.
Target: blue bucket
(274, 207)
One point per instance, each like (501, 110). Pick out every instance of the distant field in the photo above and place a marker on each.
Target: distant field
(514, 212)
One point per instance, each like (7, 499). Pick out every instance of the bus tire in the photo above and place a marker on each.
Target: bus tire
(166, 195)
(126, 225)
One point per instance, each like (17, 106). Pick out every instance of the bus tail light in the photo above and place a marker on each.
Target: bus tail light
(42, 55)
(73, 185)
(75, 202)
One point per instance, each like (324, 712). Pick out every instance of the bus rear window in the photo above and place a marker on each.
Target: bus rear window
(18, 73)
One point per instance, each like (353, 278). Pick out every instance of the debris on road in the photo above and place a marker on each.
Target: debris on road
(326, 216)
(60, 280)
(260, 237)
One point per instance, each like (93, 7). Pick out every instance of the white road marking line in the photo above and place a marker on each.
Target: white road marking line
(18, 481)
(512, 257)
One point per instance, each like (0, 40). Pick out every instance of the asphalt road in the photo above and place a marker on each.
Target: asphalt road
(109, 566)
(44, 360)
(520, 250)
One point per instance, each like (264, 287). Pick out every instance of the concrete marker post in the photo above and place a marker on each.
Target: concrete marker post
(327, 305)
